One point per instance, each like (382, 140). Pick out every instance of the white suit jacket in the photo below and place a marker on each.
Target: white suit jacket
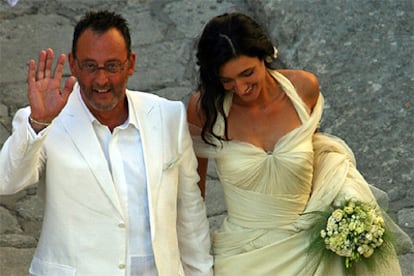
(83, 229)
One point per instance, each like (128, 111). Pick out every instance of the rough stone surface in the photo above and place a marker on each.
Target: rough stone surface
(9, 222)
(361, 52)
(15, 261)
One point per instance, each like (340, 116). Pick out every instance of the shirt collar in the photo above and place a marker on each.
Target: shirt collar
(131, 120)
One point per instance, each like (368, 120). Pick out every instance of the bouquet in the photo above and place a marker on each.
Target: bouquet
(354, 231)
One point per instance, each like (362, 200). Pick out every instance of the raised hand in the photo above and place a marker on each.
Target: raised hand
(46, 98)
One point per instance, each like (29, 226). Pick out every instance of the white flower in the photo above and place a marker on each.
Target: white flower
(273, 57)
(337, 215)
(348, 210)
(369, 252)
(353, 230)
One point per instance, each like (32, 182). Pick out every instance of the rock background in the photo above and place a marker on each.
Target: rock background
(361, 51)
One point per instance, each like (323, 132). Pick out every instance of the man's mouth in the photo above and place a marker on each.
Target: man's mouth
(101, 91)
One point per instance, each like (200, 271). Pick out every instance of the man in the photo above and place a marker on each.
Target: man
(116, 167)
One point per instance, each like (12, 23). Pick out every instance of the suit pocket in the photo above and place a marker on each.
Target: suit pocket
(172, 163)
(39, 267)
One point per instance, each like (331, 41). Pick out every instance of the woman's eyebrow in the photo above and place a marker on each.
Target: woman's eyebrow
(239, 74)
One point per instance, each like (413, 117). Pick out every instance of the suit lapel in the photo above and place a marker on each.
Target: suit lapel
(150, 125)
(78, 127)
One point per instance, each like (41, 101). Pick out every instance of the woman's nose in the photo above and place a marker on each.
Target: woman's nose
(239, 87)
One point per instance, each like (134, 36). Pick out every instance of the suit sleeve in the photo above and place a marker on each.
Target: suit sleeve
(21, 157)
(192, 224)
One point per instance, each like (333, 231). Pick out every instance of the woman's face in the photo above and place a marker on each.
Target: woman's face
(244, 76)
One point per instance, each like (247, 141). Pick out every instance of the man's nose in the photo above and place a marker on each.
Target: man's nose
(101, 76)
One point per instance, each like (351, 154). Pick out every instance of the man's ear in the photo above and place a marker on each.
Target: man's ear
(131, 68)
(71, 61)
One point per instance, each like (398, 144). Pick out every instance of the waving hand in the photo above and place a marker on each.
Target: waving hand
(46, 98)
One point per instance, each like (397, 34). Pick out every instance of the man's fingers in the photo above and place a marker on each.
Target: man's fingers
(49, 63)
(31, 72)
(40, 74)
(57, 74)
(70, 82)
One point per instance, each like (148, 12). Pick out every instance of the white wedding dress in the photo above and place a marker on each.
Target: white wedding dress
(265, 232)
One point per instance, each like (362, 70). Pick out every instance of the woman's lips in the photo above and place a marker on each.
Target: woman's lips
(248, 90)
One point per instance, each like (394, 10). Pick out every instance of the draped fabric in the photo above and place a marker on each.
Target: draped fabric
(267, 193)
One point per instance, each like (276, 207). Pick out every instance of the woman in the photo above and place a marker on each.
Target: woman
(259, 125)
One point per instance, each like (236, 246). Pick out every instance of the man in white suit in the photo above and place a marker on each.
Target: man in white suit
(115, 167)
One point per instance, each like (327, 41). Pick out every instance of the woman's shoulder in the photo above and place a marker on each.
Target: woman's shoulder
(306, 84)
(194, 114)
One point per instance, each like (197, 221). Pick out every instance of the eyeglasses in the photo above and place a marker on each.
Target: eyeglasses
(111, 67)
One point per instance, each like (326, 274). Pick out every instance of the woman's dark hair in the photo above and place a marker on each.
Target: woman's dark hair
(225, 37)
(100, 22)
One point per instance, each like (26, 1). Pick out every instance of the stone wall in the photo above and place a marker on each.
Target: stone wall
(361, 52)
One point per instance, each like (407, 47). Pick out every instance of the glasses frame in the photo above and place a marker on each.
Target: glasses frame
(104, 68)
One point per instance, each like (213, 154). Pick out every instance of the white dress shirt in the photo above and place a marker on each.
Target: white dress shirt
(124, 154)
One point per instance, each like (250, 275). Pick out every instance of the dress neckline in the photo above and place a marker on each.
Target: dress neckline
(300, 108)
(275, 147)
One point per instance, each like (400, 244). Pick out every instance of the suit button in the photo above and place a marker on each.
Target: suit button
(121, 266)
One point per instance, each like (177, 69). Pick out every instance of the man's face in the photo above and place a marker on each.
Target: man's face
(102, 69)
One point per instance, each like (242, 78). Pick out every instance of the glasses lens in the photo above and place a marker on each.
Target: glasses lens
(110, 67)
(113, 67)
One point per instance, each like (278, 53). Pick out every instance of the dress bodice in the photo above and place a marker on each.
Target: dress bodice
(281, 178)
(285, 170)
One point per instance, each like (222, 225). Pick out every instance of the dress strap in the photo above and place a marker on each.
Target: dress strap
(291, 92)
